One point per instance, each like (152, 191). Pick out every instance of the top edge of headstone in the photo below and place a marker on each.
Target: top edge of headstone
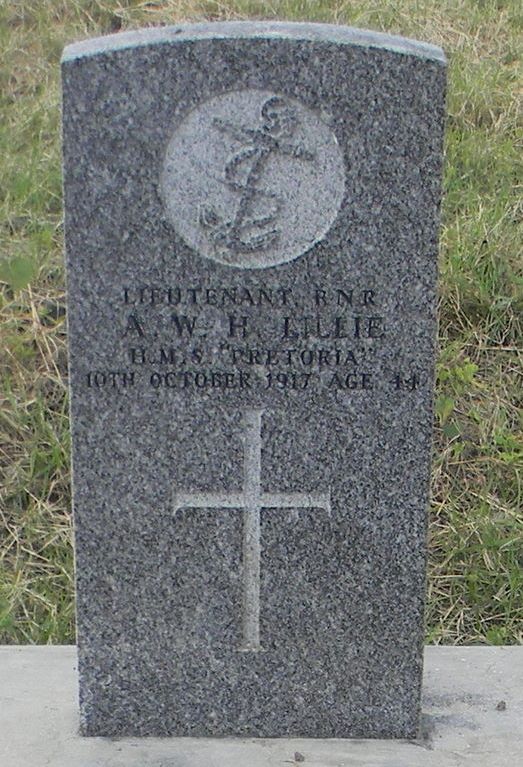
(277, 30)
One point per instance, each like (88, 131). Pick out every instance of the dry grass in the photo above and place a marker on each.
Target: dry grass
(476, 534)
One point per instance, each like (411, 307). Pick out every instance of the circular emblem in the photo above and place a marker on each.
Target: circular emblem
(252, 179)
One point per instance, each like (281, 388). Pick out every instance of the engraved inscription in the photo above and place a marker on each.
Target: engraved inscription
(251, 500)
(255, 190)
(213, 339)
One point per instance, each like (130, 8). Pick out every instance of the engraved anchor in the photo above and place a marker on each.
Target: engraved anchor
(253, 225)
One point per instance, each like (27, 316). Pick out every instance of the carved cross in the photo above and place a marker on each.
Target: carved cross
(251, 500)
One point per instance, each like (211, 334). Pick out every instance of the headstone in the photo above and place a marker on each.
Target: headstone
(251, 235)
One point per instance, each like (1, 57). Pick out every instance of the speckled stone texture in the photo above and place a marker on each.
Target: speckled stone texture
(251, 375)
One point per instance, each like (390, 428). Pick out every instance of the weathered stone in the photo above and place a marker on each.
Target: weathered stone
(251, 224)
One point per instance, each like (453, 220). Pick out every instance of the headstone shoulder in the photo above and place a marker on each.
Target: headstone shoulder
(270, 30)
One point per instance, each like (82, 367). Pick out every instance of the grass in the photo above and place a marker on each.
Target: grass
(476, 532)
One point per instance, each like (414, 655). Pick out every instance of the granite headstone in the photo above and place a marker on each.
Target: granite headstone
(251, 237)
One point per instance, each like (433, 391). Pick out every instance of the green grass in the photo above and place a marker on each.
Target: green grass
(476, 532)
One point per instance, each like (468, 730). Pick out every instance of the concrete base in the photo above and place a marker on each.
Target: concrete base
(473, 715)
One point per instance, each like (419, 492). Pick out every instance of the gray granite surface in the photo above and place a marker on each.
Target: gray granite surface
(251, 237)
(472, 713)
